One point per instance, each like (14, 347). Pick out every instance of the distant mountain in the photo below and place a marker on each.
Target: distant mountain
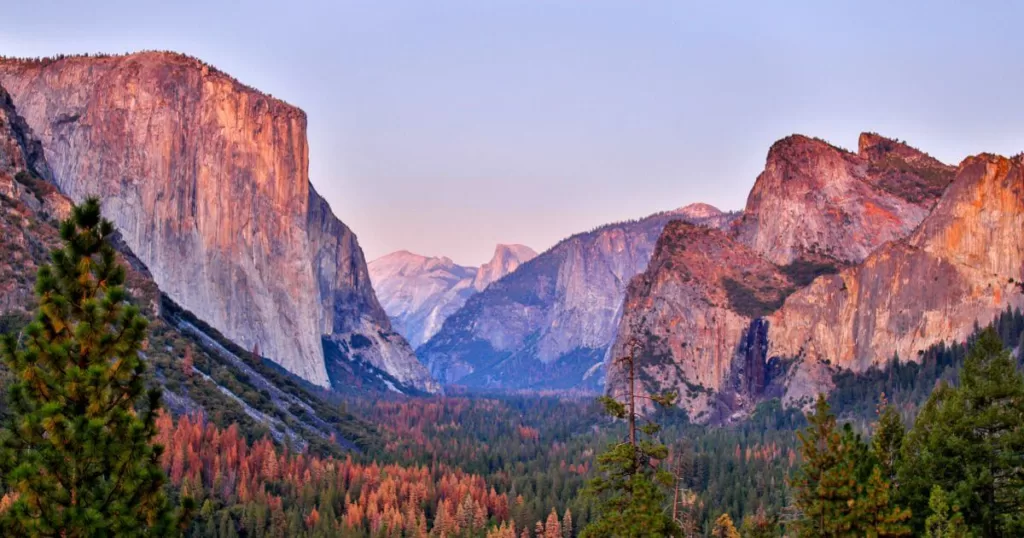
(549, 323)
(207, 181)
(841, 260)
(420, 292)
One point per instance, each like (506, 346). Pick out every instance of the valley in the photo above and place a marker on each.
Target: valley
(307, 391)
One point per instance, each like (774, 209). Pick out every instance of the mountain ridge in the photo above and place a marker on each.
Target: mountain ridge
(420, 292)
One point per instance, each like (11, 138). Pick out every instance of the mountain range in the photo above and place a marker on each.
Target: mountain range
(549, 323)
(839, 259)
(420, 292)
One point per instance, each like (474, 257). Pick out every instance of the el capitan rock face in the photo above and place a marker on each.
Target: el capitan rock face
(420, 292)
(207, 181)
(817, 202)
(549, 323)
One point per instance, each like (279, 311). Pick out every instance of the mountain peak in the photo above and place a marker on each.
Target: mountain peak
(699, 210)
(875, 147)
(505, 260)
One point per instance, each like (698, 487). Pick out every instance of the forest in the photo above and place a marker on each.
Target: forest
(930, 447)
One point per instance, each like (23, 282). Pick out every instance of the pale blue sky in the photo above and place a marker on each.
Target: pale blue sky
(444, 127)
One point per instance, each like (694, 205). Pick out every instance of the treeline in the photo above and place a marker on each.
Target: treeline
(262, 490)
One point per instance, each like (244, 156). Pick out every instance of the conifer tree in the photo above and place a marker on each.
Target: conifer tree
(760, 525)
(630, 482)
(840, 490)
(552, 528)
(825, 486)
(888, 439)
(567, 524)
(943, 521)
(77, 452)
(969, 440)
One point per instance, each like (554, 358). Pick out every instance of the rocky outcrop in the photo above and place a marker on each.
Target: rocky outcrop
(962, 266)
(687, 313)
(850, 259)
(817, 202)
(549, 323)
(26, 197)
(420, 292)
(207, 181)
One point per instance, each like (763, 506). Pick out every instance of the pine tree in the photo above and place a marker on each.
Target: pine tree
(552, 528)
(888, 439)
(875, 515)
(724, 528)
(825, 486)
(630, 484)
(970, 441)
(840, 490)
(944, 522)
(77, 452)
(567, 524)
(760, 525)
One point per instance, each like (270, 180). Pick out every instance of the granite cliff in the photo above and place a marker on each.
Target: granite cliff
(224, 382)
(815, 201)
(685, 314)
(963, 265)
(841, 260)
(207, 182)
(420, 292)
(549, 323)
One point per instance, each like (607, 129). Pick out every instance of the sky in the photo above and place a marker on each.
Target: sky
(445, 127)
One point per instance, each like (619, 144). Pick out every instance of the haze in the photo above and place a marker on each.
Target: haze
(446, 127)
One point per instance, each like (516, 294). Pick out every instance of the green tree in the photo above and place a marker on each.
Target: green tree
(825, 486)
(888, 439)
(969, 440)
(840, 490)
(760, 525)
(77, 455)
(944, 522)
(630, 482)
(875, 514)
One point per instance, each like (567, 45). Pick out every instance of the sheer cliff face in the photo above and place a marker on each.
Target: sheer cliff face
(684, 315)
(964, 264)
(549, 323)
(818, 202)
(207, 181)
(700, 326)
(420, 292)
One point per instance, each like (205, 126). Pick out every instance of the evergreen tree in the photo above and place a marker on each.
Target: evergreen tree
(77, 452)
(760, 525)
(970, 442)
(724, 528)
(888, 439)
(875, 515)
(825, 486)
(944, 522)
(567, 524)
(840, 490)
(630, 482)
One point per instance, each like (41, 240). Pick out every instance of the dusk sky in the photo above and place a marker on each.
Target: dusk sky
(445, 127)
